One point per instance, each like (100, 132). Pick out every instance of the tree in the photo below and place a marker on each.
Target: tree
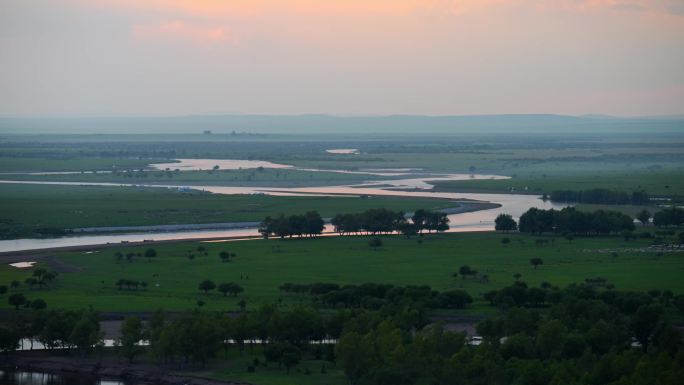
(408, 229)
(454, 299)
(643, 216)
(9, 339)
(31, 282)
(419, 219)
(48, 277)
(150, 253)
(354, 354)
(314, 223)
(16, 300)
(131, 335)
(230, 287)
(38, 304)
(551, 337)
(645, 323)
(206, 285)
(491, 296)
(670, 217)
(536, 262)
(225, 256)
(505, 222)
(290, 357)
(236, 289)
(266, 227)
(86, 332)
(224, 288)
(465, 271)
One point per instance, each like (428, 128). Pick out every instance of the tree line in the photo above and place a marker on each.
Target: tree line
(588, 333)
(384, 221)
(585, 336)
(601, 196)
(673, 216)
(372, 221)
(375, 296)
(310, 224)
(569, 220)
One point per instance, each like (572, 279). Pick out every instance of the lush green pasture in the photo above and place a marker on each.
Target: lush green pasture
(668, 183)
(25, 208)
(270, 263)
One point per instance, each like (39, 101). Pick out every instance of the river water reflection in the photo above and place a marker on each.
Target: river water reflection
(36, 378)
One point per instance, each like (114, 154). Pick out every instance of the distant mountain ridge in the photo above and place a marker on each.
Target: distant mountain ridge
(330, 124)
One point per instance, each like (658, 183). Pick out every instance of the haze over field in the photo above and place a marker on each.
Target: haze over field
(343, 125)
(449, 57)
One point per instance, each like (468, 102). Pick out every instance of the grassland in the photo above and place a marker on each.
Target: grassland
(26, 208)
(541, 163)
(245, 177)
(663, 183)
(9, 163)
(173, 277)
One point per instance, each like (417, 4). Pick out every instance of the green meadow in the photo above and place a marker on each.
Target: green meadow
(26, 208)
(261, 266)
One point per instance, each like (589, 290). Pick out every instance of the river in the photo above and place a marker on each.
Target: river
(11, 377)
(413, 186)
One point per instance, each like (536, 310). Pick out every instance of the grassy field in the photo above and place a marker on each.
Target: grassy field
(245, 177)
(24, 208)
(75, 163)
(173, 277)
(667, 183)
(542, 163)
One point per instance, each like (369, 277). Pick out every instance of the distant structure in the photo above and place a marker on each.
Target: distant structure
(207, 132)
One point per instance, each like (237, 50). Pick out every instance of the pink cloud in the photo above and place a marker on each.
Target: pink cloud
(218, 8)
(178, 30)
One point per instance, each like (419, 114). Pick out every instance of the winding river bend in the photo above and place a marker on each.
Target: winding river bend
(413, 186)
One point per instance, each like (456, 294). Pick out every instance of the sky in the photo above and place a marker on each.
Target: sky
(345, 57)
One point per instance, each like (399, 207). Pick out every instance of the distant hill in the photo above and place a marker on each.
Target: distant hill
(329, 124)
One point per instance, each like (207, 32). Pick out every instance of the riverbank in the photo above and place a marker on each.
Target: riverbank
(237, 231)
(103, 367)
(46, 253)
(462, 207)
